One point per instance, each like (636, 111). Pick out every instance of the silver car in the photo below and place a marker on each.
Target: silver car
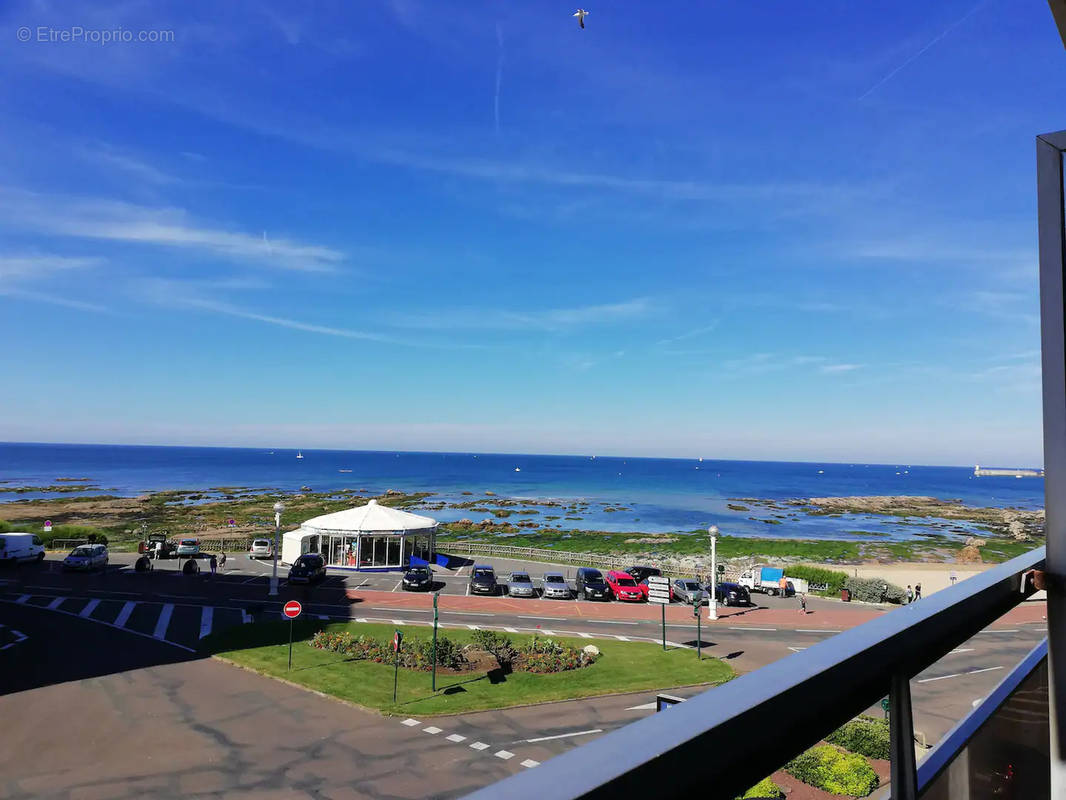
(555, 585)
(261, 548)
(520, 585)
(85, 557)
(688, 590)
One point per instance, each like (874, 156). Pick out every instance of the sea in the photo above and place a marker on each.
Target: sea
(651, 495)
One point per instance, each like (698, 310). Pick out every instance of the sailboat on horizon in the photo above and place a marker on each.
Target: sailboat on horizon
(299, 454)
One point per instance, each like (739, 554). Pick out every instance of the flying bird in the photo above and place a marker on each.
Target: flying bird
(581, 14)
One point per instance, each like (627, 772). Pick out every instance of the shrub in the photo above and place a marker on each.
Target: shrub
(833, 770)
(874, 590)
(867, 736)
(497, 645)
(832, 578)
(414, 654)
(765, 788)
(547, 656)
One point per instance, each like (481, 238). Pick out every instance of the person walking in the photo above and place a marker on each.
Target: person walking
(222, 560)
(910, 594)
(917, 591)
(953, 577)
(214, 564)
(803, 604)
(783, 586)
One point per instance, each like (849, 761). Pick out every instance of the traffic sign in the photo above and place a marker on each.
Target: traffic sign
(658, 589)
(292, 609)
(396, 640)
(658, 580)
(48, 526)
(659, 597)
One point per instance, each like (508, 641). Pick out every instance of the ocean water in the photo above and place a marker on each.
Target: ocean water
(656, 495)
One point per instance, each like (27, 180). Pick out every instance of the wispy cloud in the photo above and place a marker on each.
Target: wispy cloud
(499, 76)
(18, 272)
(554, 319)
(98, 218)
(53, 299)
(110, 158)
(832, 369)
(690, 334)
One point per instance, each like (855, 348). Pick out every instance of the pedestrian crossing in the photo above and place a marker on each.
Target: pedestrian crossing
(180, 624)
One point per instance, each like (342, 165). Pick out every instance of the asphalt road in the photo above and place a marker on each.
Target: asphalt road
(107, 668)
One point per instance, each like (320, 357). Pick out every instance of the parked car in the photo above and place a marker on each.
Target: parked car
(20, 547)
(86, 557)
(520, 585)
(642, 573)
(308, 568)
(417, 579)
(188, 547)
(590, 585)
(483, 580)
(261, 548)
(687, 590)
(623, 587)
(555, 585)
(732, 594)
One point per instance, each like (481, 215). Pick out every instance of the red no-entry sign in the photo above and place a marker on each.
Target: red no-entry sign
(292, 609)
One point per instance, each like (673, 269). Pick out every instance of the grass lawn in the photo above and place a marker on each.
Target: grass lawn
(623, 666)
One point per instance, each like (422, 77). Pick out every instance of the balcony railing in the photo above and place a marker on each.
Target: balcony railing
(732, 736)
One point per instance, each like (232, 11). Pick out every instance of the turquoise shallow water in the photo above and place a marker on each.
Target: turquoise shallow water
(658, 495)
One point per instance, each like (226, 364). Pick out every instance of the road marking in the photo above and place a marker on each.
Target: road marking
(814, 630)
(108, 591)
(621, 638)
(1000, 630)
(206, 618)
(323, 616)
(749, 628)
(254, 578)
(529, 763)
(468, 594)
(470, 613)
(961, 650)
(163, 622)
(585, 635)
(612, 622)
(455, 737)
(398, 622)
(431, 729)
(410, 723)
(184, 596)
(553, 619)
(511, 630)
(564, 735)
(90, 607)
(504, 754)
(547, 632)
(397, 586)
(479, 746)
(796, 649)
(245, 616)
(959, 674)
(55, 603)
(645, 707)
(124, 615)
(23, 598)
(405, 610)
(360, 619)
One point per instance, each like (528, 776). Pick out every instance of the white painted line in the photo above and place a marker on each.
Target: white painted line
(511, 630)
(564, 735)
(468, 594)
(245, 617)
(431, 729)
(360, 619)
(1000, 630)
(473, 627)
(470, 613)
(405, 610)
(23, 598)
(814, 630)
(254, 578)
(55, 603)
(529, 763)
(90, 607)
(547, 632)
(108, 591)
(612, 622)
(749, 628)
(410, 723)
(959, 674)
(585, 635)
(397, 586)
(621, 638)
(455, 737)
(124, 615)
(961, 650)
(206, 618)
(796, 649)
(645, 707)
(553, 619)
(479, 746)
(184, 596)
(163, 622)
(504, 754)
(399, 622)
(323, 616)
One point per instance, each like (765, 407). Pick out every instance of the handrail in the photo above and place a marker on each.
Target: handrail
(734, 735)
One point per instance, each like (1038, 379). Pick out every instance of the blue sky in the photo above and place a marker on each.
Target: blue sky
(748, 230)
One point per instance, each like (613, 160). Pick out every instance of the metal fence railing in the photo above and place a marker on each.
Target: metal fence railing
(734, 735)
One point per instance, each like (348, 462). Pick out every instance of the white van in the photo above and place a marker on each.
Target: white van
(20, 547)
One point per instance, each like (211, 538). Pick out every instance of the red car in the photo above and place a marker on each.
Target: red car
(623, 587)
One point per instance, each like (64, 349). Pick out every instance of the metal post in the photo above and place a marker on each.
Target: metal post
(395, 673)
(662, 606)
(714, 573)
(273, 591)
(290, 642)
(435, 596)
(904, 772)
(699, 636)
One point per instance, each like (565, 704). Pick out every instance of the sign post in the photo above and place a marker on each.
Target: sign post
(696, 603)
(436, 595)
(659, 592)
(884, 707)
(396, 640)
(291, 610)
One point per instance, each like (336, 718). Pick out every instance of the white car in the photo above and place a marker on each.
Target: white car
(86, 557)
(20, 547)
(261, 548)
(188, 547)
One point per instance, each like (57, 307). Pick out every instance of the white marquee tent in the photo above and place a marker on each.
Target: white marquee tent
(366, 537)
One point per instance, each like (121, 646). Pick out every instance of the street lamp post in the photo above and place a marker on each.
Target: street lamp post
(713, 531)
(278, 508)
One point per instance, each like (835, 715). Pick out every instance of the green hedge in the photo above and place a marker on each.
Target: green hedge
(765, 789)
(57, 532)
(874, 590)
(835, 771)
(867, 736)
(834, 579)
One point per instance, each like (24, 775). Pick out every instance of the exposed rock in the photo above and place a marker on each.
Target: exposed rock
(591, 649)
